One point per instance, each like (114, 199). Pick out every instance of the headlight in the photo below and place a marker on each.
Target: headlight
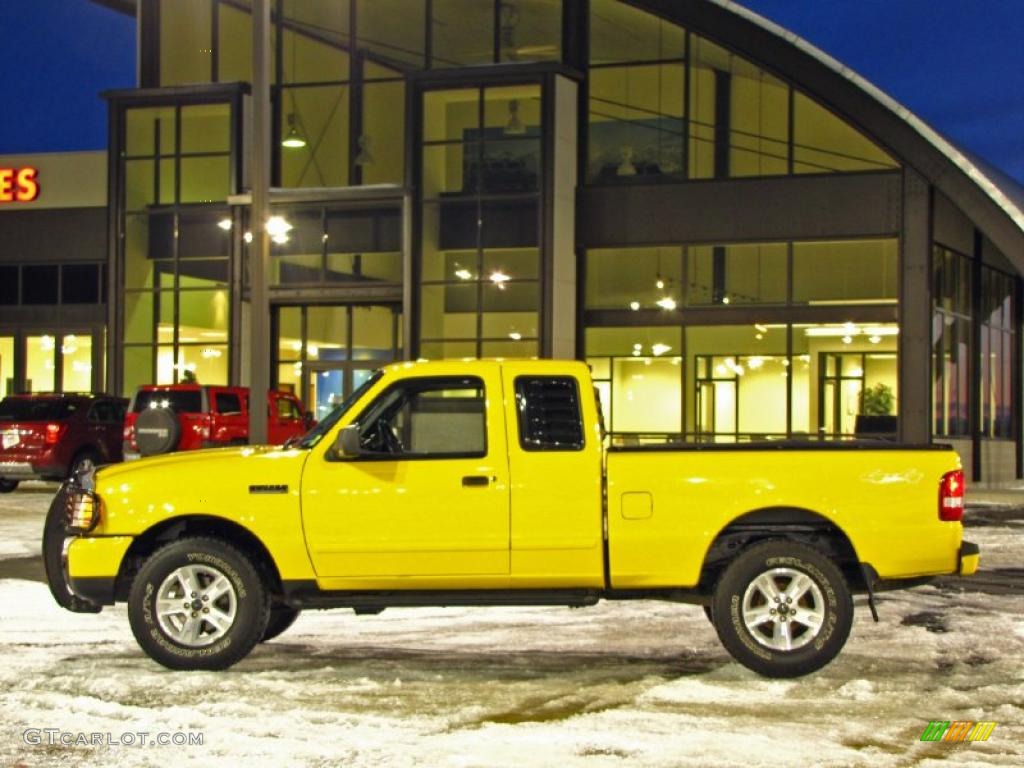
(83, 510)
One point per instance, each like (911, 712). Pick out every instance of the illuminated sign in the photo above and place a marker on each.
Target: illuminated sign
(19, 185)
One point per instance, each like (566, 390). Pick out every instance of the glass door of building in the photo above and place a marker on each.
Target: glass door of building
(325, 352)
(51, 360)
(328, 384)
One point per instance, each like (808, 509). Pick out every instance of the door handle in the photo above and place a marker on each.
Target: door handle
(475, 480)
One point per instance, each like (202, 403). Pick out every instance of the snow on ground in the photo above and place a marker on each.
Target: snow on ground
(21, 518)
(620, 684)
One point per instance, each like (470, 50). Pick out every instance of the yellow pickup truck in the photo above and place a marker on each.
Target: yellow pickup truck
(493, 483)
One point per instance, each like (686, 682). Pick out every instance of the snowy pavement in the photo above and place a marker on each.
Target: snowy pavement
(620, 684)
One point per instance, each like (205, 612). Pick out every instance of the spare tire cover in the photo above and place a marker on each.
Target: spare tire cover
(157, 431)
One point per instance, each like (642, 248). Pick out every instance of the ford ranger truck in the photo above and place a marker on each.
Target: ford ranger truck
(492, 483)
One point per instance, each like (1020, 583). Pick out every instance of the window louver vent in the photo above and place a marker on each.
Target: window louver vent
(549, 413)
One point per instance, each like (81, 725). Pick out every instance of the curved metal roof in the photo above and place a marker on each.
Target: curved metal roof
(1003, 191)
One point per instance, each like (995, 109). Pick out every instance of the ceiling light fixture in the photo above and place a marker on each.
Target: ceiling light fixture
(293, 139)
(278, 228)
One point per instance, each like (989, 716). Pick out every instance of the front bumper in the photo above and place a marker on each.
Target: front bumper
(969, 557)
(81, 571)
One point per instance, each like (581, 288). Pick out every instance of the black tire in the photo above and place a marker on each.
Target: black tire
(8, 486)
(191, 638)
(157, 430)
(83, 461)
(281, 618)
(818, 614)
(710, 614)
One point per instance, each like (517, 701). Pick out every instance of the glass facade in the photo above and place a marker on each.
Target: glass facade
(740, 334)
(952, 279)
(998, 355)
(176, 243)
(732, 274)
(729, 383)
(668, 104)
(480, 212)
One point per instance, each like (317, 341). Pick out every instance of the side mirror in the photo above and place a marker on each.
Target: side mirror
(308, 420)
(347, 444)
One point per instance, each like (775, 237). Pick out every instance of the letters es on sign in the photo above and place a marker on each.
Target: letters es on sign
(19, 185)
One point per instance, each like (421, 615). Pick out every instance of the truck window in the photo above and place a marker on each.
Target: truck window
(427, 418)
(549, 413)
(227, 402)
(288, 410)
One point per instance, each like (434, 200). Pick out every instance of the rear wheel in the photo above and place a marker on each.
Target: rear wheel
(782, 609)
(198, 603)
(281, 618)
(8, 486)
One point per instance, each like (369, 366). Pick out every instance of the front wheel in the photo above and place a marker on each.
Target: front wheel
(782, 609)
(8, 486)
(198, 603)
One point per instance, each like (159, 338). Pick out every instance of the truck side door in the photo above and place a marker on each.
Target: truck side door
(228, 421)
(428, 499)
(555, 458)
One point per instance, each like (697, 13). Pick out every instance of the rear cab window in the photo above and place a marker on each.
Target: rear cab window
(32, 409)
(227, 403)
(549, 413)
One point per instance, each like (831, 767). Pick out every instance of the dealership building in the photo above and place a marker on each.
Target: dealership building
(743, 238)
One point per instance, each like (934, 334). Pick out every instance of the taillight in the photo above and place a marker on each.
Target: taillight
(129, 437)
(53, 433)
(951, 496)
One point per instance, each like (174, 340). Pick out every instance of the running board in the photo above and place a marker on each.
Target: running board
(305, 594)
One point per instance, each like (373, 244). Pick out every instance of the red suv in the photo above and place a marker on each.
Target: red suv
(184, 417)
(49, 436)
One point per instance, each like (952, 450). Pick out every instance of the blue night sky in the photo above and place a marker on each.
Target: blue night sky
(959, 64)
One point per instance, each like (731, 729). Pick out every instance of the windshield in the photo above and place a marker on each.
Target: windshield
(179, 401)
(315, 435)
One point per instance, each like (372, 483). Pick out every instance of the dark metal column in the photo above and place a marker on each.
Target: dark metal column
(915, 312)
(259, 267)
